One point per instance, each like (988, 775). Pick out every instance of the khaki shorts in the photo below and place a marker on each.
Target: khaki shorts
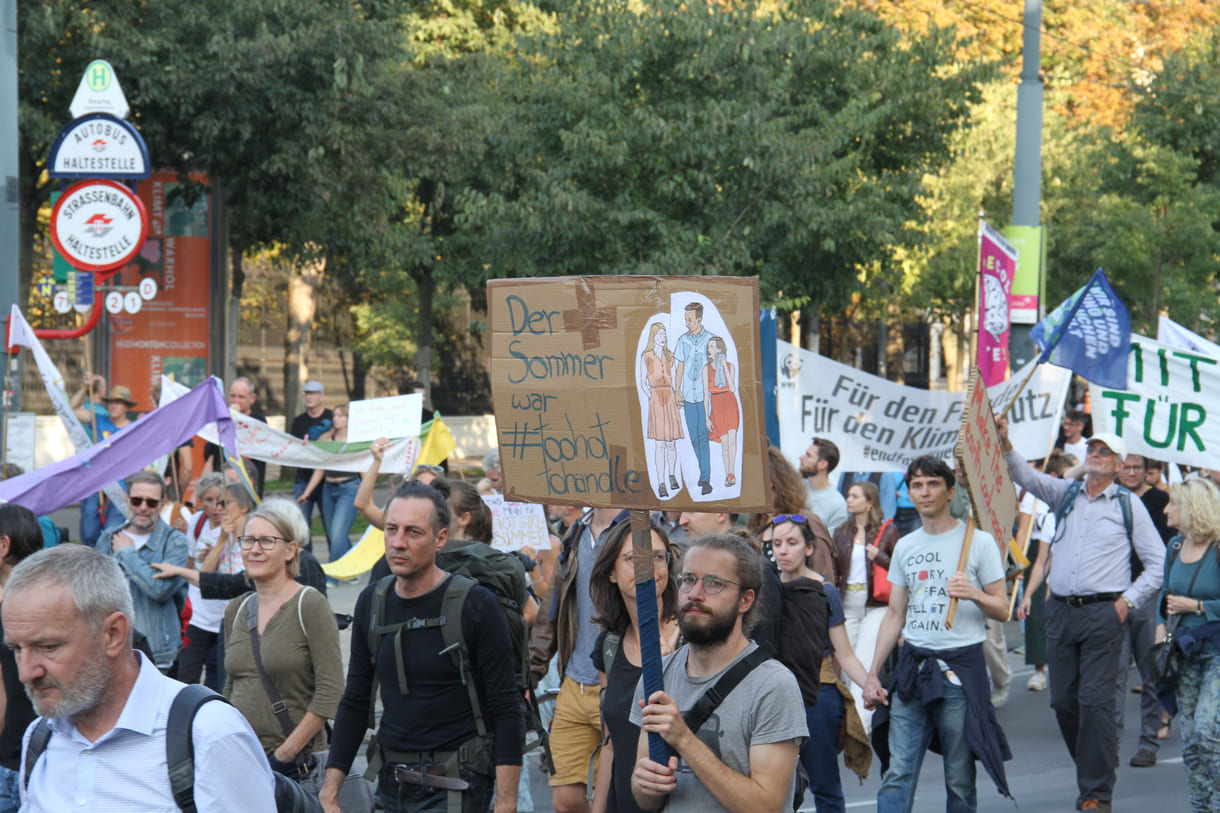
(576, 732)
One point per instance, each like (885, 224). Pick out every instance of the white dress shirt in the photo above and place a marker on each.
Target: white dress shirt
(124, 770)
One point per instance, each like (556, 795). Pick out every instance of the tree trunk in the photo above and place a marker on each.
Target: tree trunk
(302, 288)
(360, 375)
(425, 288)
(812, 329)
(238, 281)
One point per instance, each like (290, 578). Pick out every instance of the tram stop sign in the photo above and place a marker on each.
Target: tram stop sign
(98, 225)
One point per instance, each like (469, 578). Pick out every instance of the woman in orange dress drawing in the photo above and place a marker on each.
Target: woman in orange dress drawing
(664, 421)
(723, 414)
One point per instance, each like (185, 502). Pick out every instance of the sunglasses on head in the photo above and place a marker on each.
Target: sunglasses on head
(151, 502)
(799, 519)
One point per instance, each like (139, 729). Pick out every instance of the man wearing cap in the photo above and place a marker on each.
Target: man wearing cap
(1090, 592)
(96, 515)
(310, 425)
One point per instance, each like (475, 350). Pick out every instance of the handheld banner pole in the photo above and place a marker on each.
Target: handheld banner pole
(962, 561)
(646, 612)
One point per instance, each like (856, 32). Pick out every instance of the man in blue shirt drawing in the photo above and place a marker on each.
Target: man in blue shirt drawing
(691, 354)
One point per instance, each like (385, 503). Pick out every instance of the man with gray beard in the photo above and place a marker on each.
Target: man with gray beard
(67, 618)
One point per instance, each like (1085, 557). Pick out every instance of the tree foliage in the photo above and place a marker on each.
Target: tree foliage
(784, 141)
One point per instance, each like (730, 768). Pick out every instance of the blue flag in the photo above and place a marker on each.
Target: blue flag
(1088, 334)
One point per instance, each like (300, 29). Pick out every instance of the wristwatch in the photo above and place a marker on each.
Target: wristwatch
(1198, 607)
(1130, 603)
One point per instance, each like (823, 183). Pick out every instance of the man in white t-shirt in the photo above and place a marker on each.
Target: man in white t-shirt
(1074, 441)
(818, 461)
(922, 572)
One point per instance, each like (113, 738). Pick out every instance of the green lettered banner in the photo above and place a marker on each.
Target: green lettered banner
(1171, 407)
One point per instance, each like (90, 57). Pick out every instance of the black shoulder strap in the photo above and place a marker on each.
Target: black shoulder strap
(179, 749)
(38, 743)
(713, 697)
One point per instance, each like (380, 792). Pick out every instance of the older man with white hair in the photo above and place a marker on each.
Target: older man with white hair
(1090, 594)
(67, 616)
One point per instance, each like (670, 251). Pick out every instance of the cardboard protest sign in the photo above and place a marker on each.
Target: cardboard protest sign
(517, 524)
(633, 392)
(980, 456)
(1164, 412)
(394, 417)
(879, 425)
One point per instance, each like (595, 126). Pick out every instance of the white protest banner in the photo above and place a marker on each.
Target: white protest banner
(1163, 413)
(259, 441)
(20, 332)
(1171, 333)
(517, 524)
(393, 417)
(882, 426)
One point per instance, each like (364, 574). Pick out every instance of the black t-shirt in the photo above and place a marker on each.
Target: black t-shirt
(18, 712)
(1155, 501)
(256, 469)
(621, 681)
(308, 428)
(435, 714)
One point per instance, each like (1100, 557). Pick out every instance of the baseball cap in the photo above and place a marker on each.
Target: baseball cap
(313, 386)
(1111, 441)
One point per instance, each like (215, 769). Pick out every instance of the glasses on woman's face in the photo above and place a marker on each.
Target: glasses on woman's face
(711, 584)
(660, 558)
(264, 542)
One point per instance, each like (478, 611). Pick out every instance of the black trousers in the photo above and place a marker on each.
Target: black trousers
(1083, 647)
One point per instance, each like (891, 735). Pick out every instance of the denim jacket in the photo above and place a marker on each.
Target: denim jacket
(157, 601)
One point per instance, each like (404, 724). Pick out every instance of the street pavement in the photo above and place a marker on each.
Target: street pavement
(1041, 774)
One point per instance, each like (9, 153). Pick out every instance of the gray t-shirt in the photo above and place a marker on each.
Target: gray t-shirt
(765, 707)
(580, 666)
(923, 564)
(829, 505)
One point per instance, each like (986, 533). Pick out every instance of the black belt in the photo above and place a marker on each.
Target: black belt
(1080, 601)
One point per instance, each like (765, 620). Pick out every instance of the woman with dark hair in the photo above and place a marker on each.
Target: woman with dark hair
(616, 653)
(825, 696)
(863, 543)
(20, 536)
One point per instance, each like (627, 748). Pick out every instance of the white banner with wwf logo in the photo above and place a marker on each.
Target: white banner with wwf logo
(879, 425)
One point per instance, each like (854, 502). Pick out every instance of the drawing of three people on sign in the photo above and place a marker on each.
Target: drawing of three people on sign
(689, 399)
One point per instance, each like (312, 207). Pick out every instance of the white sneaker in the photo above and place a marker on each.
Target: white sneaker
(1037, 682)
(999, 697)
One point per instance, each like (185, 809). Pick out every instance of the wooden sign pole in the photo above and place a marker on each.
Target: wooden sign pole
(962, 561)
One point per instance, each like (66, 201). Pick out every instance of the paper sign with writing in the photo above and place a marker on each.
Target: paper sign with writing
(1168, 411)
(517, 524)
(393, 417)
(880, 425)
(633, 392)
(980, 457)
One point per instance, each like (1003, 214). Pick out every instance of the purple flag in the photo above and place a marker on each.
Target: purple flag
(124, 453)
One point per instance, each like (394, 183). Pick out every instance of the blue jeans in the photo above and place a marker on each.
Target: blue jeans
(820, 752)
(298, 488)
(338, 514)
(91, 525)
(696, 426)
(1199, 713)
(911, 728)
(10, 790)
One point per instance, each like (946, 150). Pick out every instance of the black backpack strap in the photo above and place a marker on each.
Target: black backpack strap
(179, 749)
(713, 697)
(374, 632)
(39, 739)
(452, 607)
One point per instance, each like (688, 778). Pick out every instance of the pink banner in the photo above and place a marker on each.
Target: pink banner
(997, 264)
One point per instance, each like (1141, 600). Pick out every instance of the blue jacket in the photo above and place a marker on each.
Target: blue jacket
(157, 602)
(918, 676)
